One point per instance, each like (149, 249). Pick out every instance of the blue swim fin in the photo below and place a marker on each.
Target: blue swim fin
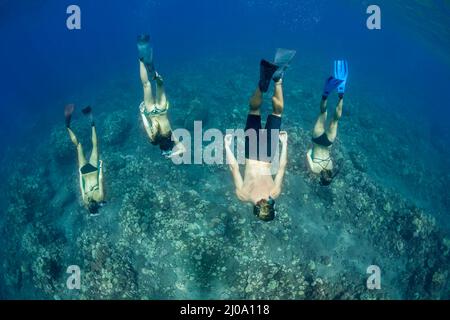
(146, 54)
(330, 85)
(283, 58)
(341, 73)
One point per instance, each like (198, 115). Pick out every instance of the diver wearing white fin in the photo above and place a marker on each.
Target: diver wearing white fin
(154, 110)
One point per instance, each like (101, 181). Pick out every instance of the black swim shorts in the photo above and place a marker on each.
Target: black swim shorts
(266, 140)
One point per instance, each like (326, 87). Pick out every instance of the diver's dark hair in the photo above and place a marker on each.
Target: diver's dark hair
(265, 210)
(326, 177)
(93, 206)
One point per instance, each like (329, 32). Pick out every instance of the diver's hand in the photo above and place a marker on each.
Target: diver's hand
(178, 150)
(283, 137)
(228, 139)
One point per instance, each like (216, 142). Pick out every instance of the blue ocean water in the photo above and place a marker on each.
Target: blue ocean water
(393, 135)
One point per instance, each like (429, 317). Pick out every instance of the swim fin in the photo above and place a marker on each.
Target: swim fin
(330, 85)
(266, 72)
(88, 112)
(341, 73)
(283, 58)
(146, 54)
(68, 111)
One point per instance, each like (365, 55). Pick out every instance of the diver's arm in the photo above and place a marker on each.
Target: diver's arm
(179, 149)
(100, 182)
(238, 182)
(282, 168)
(83, 195)
(148, 127)
(234, 167)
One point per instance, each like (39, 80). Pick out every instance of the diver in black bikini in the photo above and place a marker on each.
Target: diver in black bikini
(91, 173)
(318, 158)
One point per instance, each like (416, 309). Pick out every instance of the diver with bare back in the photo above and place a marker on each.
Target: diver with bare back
(258, 186)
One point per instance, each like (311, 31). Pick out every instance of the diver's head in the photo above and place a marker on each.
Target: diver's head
(265, 209)
(94, 206)
(326, 177)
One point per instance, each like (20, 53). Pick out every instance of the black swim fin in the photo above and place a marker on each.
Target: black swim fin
(146, 54)
(68, 111)
(87, 111)
(267, 71)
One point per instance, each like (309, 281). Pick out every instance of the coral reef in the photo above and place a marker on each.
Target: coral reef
(178, 232)
(118, 126)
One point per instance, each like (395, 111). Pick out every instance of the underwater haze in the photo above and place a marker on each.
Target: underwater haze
(179, 232)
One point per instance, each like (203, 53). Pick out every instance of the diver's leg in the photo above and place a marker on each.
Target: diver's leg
(277, 99)
(255, 102)
(319, 127)
(332, 130)
(73, 137)
(94, 155)
(81, 158)
(160, 92)
(273, 124)
(146, 84)
(253, 125)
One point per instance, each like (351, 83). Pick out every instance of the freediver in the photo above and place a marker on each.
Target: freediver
(258, 186)
(90, 172)
(318, 157)
(154, 110)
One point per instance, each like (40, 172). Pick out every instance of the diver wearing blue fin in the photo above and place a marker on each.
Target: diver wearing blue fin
(318, 158)
(90, 172)
(153, 110)
(258, 186)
